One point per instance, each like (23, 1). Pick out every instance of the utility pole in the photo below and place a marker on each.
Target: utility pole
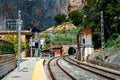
(19, 38)
(51, 43)
(83, 46)
(31, 43)
(102, 33)
(36, 44)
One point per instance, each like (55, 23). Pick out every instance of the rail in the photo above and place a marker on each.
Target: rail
(109, 74)
(58, 65)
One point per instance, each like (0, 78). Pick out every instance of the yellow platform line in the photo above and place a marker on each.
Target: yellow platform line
(38, 73)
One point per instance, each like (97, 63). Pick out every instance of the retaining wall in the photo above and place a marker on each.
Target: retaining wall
(105, 64)
(7, 63)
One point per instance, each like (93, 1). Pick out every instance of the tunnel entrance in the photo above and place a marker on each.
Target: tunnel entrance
(71, 50)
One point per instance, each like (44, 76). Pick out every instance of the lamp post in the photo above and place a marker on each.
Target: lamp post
(31, 44)
(19, 38)
(102, 33)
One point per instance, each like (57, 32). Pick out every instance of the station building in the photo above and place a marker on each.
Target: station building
(25, 35)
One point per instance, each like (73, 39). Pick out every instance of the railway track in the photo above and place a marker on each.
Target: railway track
(106, 73)
(57, 72)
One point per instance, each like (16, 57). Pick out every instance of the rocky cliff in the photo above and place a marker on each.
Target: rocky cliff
(38, 13)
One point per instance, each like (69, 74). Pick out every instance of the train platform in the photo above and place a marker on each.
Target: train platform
(30, 69)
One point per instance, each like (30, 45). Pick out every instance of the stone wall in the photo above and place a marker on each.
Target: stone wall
(7, 63)
(105, 64)
(66, 47)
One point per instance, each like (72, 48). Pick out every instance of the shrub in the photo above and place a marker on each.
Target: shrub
(14, 40)
(60, 18)
(115, 35)
(76, 17)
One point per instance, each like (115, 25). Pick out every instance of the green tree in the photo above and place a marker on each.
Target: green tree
(76, 17)
(60, 18)
(111, 11)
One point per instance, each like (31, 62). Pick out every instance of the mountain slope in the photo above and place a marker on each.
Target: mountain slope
(37, 13)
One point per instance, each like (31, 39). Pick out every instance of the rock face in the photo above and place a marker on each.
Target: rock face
(38, 13)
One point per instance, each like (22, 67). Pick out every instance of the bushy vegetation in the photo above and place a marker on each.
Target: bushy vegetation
(112, 42)
(111, 13)
(60, 37)
(115, 35)
(60, 18)
(76, 17)
(6, 47)
(14, 40)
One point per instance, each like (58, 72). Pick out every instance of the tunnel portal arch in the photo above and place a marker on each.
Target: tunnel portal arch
(71, 51)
